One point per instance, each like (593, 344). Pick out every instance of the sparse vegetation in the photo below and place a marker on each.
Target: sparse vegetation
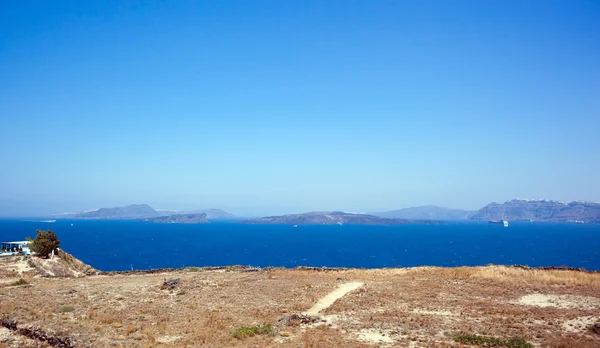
(66, 309)
(483, 341)
(19, 282)
(250, 331)
(209, 307)
(193, 269)
(44, 243)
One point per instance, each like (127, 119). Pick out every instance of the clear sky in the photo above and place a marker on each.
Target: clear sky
(268, 107)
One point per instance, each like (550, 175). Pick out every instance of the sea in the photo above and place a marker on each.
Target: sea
(126, 245)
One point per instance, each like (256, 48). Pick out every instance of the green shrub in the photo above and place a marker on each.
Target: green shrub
(44, 243)
(513, 342)
(243, 332)
(193, 269)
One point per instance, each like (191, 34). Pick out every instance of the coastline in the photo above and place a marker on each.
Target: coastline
(247, 268)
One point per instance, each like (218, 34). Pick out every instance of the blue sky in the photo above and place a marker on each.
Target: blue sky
(267, 107)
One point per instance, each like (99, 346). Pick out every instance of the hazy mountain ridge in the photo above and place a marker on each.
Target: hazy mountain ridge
(200, 218)
(132, 211)
(427, 212)
(213, 214)
(329, 218)
(516, 209)
(140, 211)
(540, 210)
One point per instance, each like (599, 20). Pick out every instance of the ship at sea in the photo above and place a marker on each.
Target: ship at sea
(498, 222)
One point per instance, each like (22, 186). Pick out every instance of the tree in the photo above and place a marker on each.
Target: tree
(44, 243)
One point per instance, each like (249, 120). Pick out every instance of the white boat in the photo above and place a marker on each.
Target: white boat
(295, 226)
(498, 222)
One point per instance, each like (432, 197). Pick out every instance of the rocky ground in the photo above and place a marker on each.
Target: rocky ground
(236, 307)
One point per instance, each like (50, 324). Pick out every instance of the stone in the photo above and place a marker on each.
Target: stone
(170, 284)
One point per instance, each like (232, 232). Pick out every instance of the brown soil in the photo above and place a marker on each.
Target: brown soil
(416, 307)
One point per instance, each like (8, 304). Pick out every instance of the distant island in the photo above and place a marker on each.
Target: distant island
(330, 218)
(179, 219)
(427, 212)
(540, 210)
(141, 211)
(513, 210)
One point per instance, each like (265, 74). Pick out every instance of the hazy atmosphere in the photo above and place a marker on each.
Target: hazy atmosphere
(274, 107)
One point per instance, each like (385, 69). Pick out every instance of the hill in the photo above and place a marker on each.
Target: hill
(327, 218)
(133, 211)
(540, 210)
(62, 265)
(140, 211)
(426, 212)
(179, 219)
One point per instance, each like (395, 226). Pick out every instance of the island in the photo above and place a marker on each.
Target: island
(332, 218)
(426, 212)
(199, 218)
(540, 210)
(141, 212)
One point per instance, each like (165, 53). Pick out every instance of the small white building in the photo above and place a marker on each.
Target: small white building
(15, 248)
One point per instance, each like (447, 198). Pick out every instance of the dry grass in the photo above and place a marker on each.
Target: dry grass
(421, 306)
(512, 275)
(549, 277)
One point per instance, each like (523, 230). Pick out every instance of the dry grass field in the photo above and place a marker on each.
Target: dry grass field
(416, 307)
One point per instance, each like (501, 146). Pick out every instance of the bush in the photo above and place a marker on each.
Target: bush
(19, 282)
(252, 330)
(514, 342)
(44, 243)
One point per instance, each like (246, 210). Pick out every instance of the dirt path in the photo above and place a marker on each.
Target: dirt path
(330, 298)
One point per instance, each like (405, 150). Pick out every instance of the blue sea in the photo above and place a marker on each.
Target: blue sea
(123, 245)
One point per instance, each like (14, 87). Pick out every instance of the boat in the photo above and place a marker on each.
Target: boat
(295, 226)
(498, 222)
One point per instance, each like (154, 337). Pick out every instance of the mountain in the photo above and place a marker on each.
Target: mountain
(211, 214)
(140, 211)
(328, 218)
(133, 211)
(426, 212)
(540, 210)
(179, 219)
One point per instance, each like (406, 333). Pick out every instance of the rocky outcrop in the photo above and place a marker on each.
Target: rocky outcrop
(62, 265)
(38, 334)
